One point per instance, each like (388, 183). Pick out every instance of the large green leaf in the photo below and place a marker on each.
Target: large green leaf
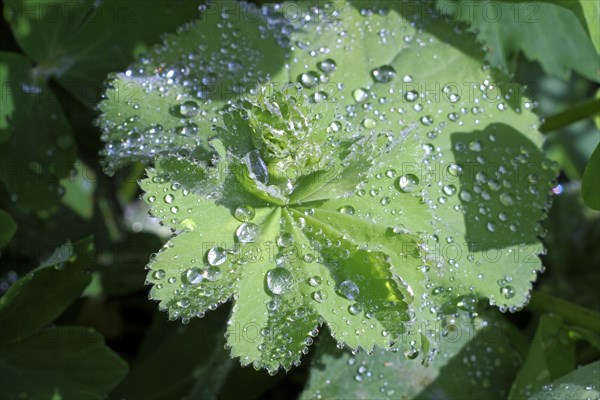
(540, 30)
(49, 290)
(75, 42)
(583, 383)
(551, 355)
(480, 357)
(36, 144)
(68, 363)
(188, 361)
(413, 190)
(169, 100)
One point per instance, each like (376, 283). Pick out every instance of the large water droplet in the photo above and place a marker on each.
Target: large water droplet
(309, 79)
(506, 200)
(328, 66)
(279, 280)
(194, 276)
(216, 256)
(256, 166)
(247, 232)
(159, 274)
(189, 109)
(407, 183)
(347, 210)
(360, 95)
(244, 213)
(383, 74)
(508, 292)
(349, 290)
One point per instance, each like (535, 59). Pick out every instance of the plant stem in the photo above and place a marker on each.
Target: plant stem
(572, 313)
(573, 114)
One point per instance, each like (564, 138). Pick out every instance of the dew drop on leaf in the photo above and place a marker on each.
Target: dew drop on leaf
(279, 280)
(256, 166)
(508, 292)
(216, 256)
(189, 109)
(194, 276)
(360, 95)
(349, 290)
(319, 296)
(347, 210)
(407, 183)
(383, 74)
(411, 96)
(355, 309)
(328, 66)
(244, 213)
(159, 274)
(309, 79)
(247, 232)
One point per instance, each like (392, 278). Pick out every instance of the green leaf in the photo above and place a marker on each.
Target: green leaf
(551, 355)
(169, 100)
(376, 212)
(49, 290)
(37, 147)
(74, 42)
(590, 184)
(8, 227)
(542, 31)
(591, 12)
(187, 361)
(79, 189)
(479, 360)
(579, 384)
(64, 362)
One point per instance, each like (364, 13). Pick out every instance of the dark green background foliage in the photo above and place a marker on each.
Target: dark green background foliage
(75, 319)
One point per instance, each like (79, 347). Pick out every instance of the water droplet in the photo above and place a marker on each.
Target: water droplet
(328, 66)
(256, 166)
(247, 232)
(159, 274)
(369, 123)
(244, 213)
(407, 79)
(169, 198)
(309, 79)
(279, 280)
(285, 239)
(315, 281)
(411, 353)
(508, 292)
(506, 200)
(194, 276)
(216, 256)
(319, 296)
(411, 96)
(449, 190)
(349, 290)
(426, 120)
(383, 74)
(407, 183)
(347, 210)
(360, 95)
(355, 309)
(465, 196)
(189, 109)
(212, 273)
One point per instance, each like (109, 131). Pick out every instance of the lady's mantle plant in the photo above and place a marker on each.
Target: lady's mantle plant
(328, 164)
